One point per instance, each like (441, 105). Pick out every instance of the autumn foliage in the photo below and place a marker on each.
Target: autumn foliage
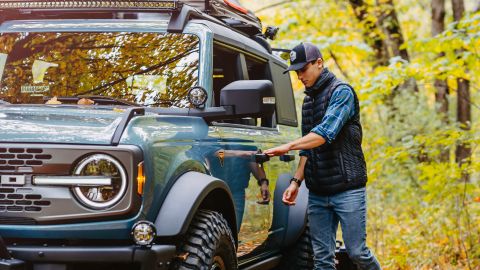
(424, 210)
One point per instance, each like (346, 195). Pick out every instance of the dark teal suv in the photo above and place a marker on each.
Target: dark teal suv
(131, 137)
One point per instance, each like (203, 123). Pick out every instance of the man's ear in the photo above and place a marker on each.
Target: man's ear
(320, 62)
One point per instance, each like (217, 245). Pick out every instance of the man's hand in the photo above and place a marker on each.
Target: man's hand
(290, 194)
(278, 151)
(265, 193)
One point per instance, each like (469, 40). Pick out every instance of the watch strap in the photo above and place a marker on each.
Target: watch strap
(299, 182)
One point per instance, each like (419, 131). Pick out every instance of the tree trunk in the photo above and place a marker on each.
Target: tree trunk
(458, 8)
(464, 117)
(438, 17)
(371, 33)
(389, 23)
(441, 86)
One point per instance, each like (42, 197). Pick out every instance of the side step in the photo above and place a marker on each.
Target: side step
(269, 263)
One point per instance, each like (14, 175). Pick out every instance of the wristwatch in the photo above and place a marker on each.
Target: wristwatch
(299, 182)
(263, 180)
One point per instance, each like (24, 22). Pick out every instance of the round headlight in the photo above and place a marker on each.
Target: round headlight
(101, 197)
(143, 233)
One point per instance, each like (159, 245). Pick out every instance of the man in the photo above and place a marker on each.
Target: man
(331, 161)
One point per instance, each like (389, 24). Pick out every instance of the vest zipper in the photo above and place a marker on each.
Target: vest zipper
(313, 152)
(342, 166)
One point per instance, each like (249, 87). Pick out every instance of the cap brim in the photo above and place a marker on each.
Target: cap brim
(295, 67)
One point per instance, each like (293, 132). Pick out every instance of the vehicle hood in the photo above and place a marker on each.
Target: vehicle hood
(58, 124)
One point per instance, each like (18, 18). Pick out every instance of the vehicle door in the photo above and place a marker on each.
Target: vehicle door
(241, 140)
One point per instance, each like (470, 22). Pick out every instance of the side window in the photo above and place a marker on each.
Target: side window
(226, 69)
(258, 70)
(230, 65)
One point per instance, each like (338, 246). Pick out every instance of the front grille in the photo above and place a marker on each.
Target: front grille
(17, 221)
(13, 201)
(12, 158)
(53, 204)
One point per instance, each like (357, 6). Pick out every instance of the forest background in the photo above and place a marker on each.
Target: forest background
(415, 66)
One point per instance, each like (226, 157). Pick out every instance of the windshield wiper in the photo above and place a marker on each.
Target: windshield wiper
(103, 100)
(99, 100)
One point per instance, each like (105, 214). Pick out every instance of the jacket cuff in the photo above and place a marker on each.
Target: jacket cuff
(321, 132)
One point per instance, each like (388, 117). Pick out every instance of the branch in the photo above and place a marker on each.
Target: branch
(154, 67)
(334, 57)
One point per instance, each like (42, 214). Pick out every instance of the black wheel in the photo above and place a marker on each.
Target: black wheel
(208, 245)
(300, 255)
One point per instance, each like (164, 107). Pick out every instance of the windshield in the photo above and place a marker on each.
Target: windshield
(150, 69)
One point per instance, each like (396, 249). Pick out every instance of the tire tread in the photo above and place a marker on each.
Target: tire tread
(205, 231)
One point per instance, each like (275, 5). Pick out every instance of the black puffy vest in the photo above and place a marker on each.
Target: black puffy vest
(340, 165)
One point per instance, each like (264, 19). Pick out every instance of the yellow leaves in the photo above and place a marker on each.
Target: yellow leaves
(296, 83)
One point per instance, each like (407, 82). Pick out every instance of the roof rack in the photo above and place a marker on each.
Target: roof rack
(230, 12)
(234, 14)
(227, 12)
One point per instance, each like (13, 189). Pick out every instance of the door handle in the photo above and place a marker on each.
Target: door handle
(287, 157)
(261, 158)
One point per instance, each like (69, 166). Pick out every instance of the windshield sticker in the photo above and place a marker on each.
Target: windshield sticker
(147, 83)
(147, 87)
(39, 69)
(34, 90)
(3, 60)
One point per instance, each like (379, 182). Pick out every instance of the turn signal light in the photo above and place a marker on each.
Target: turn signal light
(140, 178)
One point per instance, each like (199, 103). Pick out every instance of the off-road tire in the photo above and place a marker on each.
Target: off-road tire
(300, 255)
(208, 244)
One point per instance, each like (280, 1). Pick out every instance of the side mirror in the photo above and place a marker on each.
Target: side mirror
(254, 98)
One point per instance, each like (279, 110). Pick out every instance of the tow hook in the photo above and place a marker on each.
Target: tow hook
(6, 260)
(181, 257)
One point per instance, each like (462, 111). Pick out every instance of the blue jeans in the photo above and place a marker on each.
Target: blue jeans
(324, 214)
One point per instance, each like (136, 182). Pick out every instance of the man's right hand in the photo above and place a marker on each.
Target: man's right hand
(290, 194)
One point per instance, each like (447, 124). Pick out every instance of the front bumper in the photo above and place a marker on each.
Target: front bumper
(157, 257)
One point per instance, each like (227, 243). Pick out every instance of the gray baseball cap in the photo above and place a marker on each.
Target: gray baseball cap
(303, 54)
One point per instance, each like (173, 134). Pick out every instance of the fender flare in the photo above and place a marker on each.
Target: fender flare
(293, 219)
(192, 191)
